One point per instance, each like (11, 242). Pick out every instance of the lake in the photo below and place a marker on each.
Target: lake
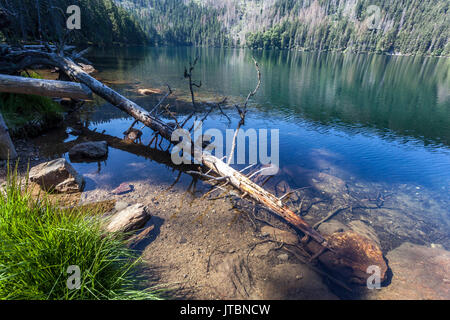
(380, 124)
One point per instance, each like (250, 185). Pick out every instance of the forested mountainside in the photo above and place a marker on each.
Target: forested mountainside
(400, 26)
(102, 22)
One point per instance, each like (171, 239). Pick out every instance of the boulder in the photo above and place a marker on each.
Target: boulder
(354, 254)
(57, 175)
(129, 219)
(89, 150)
(418, 273)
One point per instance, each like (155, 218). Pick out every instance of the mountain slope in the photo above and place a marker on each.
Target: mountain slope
(102, 21)
(403, 26)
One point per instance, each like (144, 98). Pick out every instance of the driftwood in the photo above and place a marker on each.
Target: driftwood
(7, 150)
(48, 88)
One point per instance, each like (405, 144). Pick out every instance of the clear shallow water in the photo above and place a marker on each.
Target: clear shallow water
(375, 118)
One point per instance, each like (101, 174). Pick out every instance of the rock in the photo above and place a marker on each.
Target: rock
(148, 92)
(419, 273)
(280, 235)
(365, 230)
(57, 175)
(89, 150)
(129, 219)
(122, 188)
(332, 226)
(354, 254)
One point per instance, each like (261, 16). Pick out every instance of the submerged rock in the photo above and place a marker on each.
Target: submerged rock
(418, 273)
(280, 235)
(354, 255)
(57, 175)
(122, 188)
(89, 150)
(129, 219)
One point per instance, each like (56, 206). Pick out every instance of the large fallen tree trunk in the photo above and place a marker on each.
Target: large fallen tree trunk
(7, 150)
(351, 249)
(48, 88)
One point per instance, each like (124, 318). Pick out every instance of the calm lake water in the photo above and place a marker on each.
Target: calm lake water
(370, 119)
(377, 118)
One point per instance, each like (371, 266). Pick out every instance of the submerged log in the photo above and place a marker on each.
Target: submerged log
(48, 88)
(7, 150)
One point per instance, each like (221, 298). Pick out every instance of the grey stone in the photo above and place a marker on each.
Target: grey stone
(57, 175)
(129, 219)
(89, 150)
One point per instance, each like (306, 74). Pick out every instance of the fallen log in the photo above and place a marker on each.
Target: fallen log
(7, 150)
(48, 88)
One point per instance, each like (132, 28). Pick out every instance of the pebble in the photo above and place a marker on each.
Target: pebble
(122, 188)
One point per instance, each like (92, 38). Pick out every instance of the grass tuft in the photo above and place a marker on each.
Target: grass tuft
(39, 241)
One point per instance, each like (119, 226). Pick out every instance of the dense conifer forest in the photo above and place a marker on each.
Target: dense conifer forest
(400, 26)
(102, 22)
(417, 27)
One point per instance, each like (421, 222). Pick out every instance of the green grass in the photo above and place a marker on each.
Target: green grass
(38, 241)
(22, 110)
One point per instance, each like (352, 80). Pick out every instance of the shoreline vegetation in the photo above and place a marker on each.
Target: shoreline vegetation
(40, 240)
